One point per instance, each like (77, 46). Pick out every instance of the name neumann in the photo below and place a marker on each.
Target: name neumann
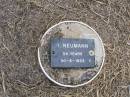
(69, 45)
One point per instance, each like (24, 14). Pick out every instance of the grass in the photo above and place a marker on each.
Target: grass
(22, 24)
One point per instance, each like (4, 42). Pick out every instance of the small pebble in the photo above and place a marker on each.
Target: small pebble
(128, 43)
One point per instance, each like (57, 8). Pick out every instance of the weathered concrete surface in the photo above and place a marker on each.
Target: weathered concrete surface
(22, 24)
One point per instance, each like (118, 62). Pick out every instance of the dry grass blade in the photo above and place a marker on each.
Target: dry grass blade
(6, 47)
(3, 83)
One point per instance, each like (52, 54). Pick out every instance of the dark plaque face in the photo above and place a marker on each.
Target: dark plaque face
(72, 53)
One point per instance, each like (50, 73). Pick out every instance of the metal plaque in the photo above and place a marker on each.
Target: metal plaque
(72, 53)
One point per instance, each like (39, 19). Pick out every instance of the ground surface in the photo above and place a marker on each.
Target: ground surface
(22, 24)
